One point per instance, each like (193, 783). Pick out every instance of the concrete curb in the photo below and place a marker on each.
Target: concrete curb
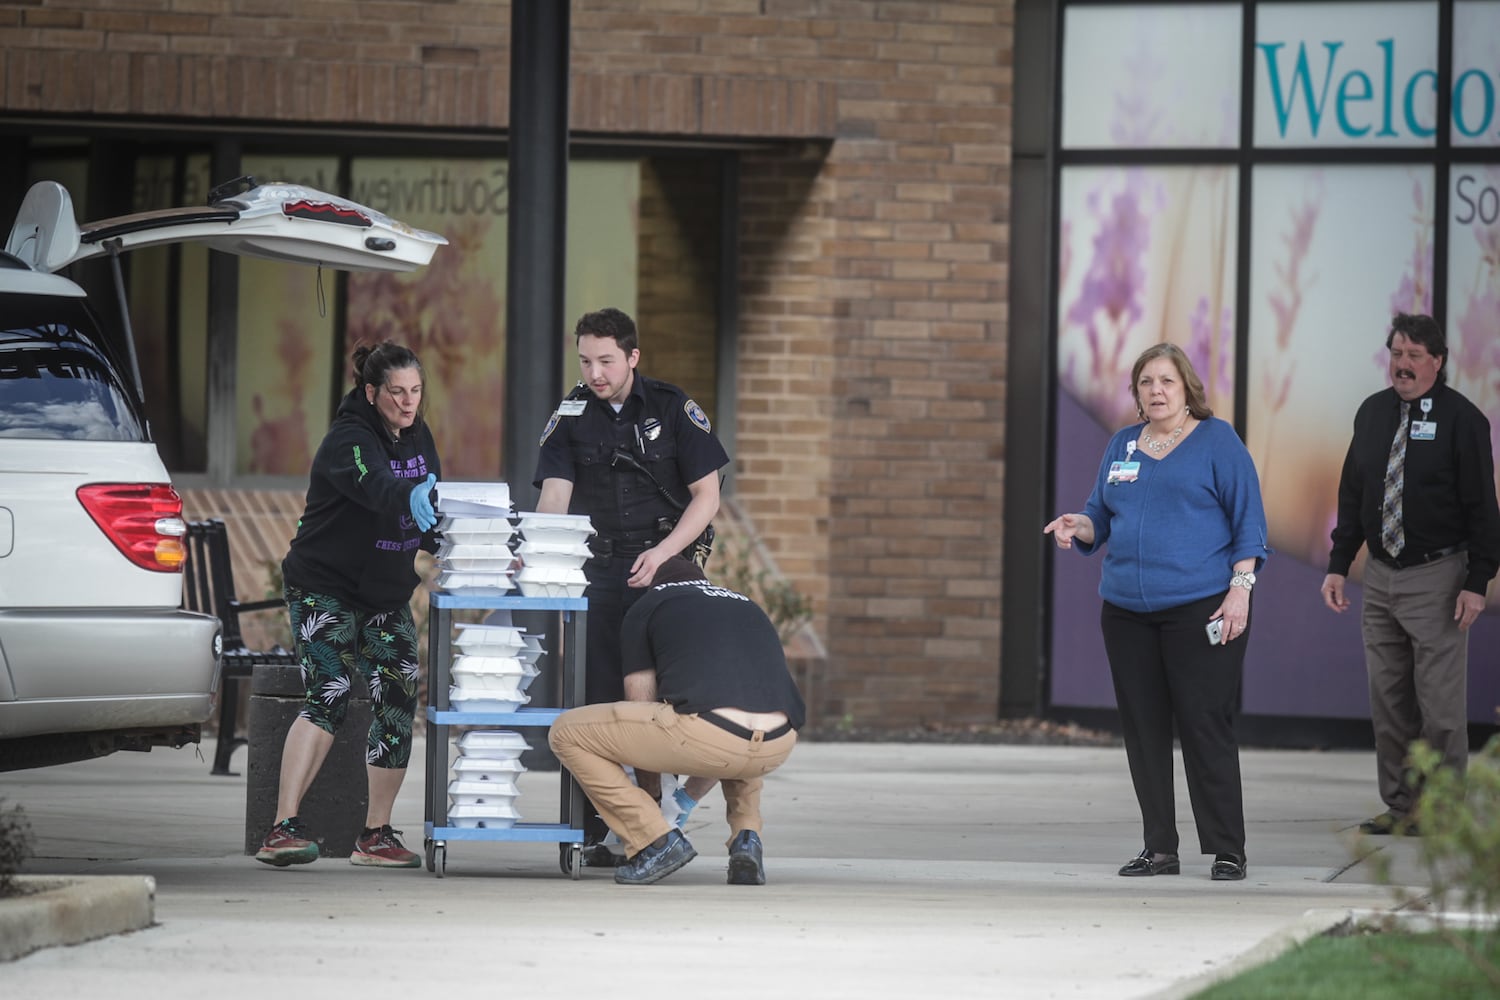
(1313, 923)
(58, 911)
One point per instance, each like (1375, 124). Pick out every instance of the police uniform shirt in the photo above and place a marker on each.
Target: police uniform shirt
(710, 648)
(659, 426)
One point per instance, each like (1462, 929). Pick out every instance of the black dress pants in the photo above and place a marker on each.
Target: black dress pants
(609, 597)
(1166, 674)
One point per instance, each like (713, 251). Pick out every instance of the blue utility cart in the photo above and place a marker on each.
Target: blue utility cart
(568, 832)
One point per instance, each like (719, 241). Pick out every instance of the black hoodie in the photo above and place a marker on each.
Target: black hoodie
(356, 539)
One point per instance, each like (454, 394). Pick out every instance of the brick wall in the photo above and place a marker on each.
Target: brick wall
(677, 301)
(872, 358)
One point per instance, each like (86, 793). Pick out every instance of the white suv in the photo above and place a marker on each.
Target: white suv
(95, 653)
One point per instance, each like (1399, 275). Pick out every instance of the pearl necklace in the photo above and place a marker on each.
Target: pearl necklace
(1157, 447)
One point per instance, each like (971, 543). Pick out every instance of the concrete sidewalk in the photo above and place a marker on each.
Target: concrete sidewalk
(894, 871)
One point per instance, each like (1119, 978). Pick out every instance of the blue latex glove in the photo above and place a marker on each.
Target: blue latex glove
(686, 803)
(421, 504)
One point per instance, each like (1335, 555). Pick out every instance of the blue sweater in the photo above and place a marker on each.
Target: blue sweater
(1175, 533)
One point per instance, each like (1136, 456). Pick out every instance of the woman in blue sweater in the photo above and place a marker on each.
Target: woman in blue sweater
(1177, 501)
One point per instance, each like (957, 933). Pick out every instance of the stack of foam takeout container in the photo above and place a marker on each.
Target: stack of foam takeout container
(475, 555)
(483, 791)
(492, 669)
(553, 549)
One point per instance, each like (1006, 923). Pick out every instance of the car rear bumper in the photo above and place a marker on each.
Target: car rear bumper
(71, 670)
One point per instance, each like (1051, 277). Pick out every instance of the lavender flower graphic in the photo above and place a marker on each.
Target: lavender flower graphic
(1285, 299)
(1110, 301)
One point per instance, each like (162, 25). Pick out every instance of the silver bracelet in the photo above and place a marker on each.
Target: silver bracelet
(1245, 579)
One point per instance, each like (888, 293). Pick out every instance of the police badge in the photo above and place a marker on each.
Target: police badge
(551, 426)
(697, 416)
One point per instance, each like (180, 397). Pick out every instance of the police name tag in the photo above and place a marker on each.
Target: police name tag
(572, 407)
(1124, 472)
(1423, 430)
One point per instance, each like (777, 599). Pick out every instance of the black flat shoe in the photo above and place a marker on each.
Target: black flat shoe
(1146, 863)
(1228, 868)
(1388, 823)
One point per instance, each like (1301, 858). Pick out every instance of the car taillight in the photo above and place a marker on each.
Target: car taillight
(144, 520)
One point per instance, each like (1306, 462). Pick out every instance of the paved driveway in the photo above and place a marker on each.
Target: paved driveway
(894, 871)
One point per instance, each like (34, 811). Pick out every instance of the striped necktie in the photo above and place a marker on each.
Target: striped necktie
(1392, 535)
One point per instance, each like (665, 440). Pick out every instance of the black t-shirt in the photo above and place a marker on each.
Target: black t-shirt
(711, 648)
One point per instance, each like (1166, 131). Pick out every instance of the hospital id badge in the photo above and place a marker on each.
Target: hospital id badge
(1423, 430)
(572, 407)
(1124, 472)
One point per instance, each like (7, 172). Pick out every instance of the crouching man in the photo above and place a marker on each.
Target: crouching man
(709, 695)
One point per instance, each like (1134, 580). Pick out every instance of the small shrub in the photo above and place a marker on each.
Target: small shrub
(1459, 848)
(786, 606)
(15, 845)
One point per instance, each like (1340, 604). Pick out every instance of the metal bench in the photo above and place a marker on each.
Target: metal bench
(208, 588)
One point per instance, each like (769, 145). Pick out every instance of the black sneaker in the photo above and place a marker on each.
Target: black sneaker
(652, 864)
(288, 843)
(745, 866)
(600, 856)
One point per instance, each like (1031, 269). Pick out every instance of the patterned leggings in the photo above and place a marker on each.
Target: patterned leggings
(335, 644)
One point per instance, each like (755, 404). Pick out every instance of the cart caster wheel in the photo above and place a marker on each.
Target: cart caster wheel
(570, 860)
(442, 860)
(427, 851)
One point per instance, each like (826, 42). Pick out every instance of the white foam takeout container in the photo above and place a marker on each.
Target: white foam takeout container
(489, 816)
(489, 683)
(554, 558)
(474, 700)
(489, 640)
(551, 582)
(494, 744)
(481, 793)
(476, 530)
(555, 529)
(467, 768)
(476, 558)
(490, 584)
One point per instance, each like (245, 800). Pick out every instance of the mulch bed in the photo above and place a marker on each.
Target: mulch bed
(1020, 732)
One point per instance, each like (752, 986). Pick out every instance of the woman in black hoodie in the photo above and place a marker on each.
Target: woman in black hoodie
(349, 580)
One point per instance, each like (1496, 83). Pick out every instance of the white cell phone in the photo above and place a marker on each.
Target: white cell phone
(1215, 630)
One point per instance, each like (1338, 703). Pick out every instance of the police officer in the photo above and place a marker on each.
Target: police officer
(641, 460)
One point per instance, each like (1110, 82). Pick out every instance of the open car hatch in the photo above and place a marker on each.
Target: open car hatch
(286, 222)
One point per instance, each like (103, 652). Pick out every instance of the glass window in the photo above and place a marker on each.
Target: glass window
(1146, 255)
(1326, 78)
(284, 362)
(55, 381)
(1326, 275)
(1474, 295)
(1151, 76)
(1476, 74)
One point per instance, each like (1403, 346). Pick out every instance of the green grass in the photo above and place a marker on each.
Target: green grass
(1369, 967)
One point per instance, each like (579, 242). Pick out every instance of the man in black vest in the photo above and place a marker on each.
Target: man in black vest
(641, 460)
(710, 696)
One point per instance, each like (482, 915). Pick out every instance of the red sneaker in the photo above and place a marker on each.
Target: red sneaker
(381, 849)
(288, 843)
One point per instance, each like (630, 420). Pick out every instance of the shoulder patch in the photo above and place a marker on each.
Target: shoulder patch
(551, 426)
(697, 416)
